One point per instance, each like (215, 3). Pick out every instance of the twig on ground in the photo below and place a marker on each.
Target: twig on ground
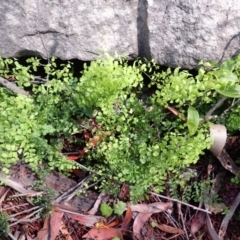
(16, 206)
(217, 105)
(168, 215)
(86, 168)
(25, 211)
(176, 200)
(67, 196)
(75, 191)
(27, 218)
(13, 87)
(214, 190)
(230, 107)
(11, 236)
(183, 223)
(26, 194)
(70, 191)
(94, 209)
(227, 218)
(211, 229)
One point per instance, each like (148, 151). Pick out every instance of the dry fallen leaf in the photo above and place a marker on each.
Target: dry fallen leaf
(87, 220)
(218, 133)
(64, 231)
(151, 208)
(127, 219)
(145, 212)
(198, 221)
(51, 227)
(3, 193)
(103, 234)
(169, 229)
(140, 220)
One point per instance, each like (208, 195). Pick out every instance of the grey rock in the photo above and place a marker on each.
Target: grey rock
(173, 32)
(182, 32)
(68, 28)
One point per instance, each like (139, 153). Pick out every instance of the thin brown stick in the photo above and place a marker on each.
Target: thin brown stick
(176, 200)
(227, 218)
(13, 87)
(217, 105)
(230, 107)
(27, 218)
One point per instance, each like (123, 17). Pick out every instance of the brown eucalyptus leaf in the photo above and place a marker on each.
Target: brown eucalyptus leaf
(197, 222)
(140, 220)
(87, 220)
(103, 234)
(65, 232)
(170, 229)
(51, 227)
(151, 208)
(127, 219)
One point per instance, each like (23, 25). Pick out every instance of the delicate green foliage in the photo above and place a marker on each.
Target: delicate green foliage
(232, 120)
(4, 226)
(44, 200)
(145, 142)
(109, 78)
(106, 210)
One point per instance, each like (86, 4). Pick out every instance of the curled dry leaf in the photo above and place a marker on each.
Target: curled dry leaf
(127, 219)
(198, 221)
(51, 227)
(140, 220)
(218, 134)
(151, 208)
(145, 212)
(103, 234)
(87, 220)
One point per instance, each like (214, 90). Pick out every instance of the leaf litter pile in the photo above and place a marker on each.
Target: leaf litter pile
(99, 216)
(62, 208)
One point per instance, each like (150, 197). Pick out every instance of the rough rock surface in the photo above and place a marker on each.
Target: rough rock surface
(173, 32)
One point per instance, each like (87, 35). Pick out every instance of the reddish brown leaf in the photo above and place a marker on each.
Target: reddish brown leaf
(139, 222)
(65, 232)
(87, 220)
(145, 212)
(44, 231)
(103, 234)
(51, 227)
(55, 224)
(73, 157)
(169, 229)
(127, 219)
(197, 222)
(151, 208)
